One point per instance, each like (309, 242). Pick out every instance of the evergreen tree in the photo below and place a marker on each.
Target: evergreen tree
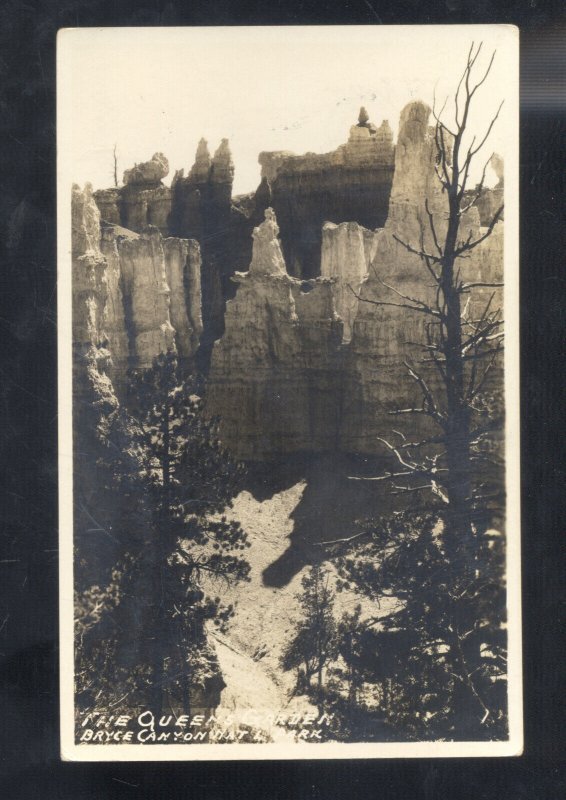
(166, 478)
(439, 656)
(314, 642)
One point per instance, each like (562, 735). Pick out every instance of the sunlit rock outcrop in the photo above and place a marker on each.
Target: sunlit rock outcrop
(305, 365)
(347, 251)
(135, 295)
(273, 371)
(147, 293)
(182, 268)
(386, 336)
(350, 184)
(89, 268)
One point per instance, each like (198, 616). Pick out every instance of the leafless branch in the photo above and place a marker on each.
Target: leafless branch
(470, 245)
(419, 253)
(424, 310)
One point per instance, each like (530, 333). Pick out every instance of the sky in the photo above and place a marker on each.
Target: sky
(150, 90)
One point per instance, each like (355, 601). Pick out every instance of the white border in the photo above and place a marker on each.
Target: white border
(214, 752)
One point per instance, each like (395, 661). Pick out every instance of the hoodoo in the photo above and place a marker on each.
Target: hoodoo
(295, 365)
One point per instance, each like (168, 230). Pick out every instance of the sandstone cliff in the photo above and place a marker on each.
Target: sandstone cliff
(347, 252)
(122, 287)
(350, 184)
(304, 365)
(142, 200)
(91, 288)
(272, 373)
(385, 336)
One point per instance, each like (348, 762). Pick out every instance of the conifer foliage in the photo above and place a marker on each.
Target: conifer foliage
(166, 479)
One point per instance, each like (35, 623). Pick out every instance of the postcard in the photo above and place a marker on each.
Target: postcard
(289, 392)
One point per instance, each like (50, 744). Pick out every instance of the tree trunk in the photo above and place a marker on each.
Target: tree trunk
(457, 438)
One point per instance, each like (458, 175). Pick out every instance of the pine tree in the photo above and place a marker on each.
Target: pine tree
(439, 656)
(196, 550)
(160, 480)
(314, 642)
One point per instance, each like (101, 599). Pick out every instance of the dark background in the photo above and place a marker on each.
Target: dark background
(29, 761)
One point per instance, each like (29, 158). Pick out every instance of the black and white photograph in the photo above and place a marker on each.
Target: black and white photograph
(288, 366)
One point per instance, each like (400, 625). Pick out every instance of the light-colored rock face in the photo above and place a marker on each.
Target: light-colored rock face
(347, 250)
(151, 171)
(497, 165)
(115, 324)
(90, 284)
(386, 336)
(280, 379)
(182, 268)
(85, 221)
(267, 258)
(272, 371)
(144, 278)
(134, 295)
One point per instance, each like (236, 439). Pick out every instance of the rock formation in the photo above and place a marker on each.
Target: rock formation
(115, 323)
(182, 269)
(385, 336)
(90, 284)
(347, 252)
(350, 184)
(273, 371)
(142, 200)
(142, 262)
(301, 365)
(201, 209)
(199, 206)
(491, 200)
(122, 286)
(288, 375)
(148, 172)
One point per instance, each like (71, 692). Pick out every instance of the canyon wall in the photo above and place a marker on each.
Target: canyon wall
(306, 365)
(134, 295)
(273, 371)
(200, 207)
(315, 364)
(351, 184)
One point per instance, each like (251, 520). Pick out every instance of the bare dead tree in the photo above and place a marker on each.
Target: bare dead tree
(460, 345)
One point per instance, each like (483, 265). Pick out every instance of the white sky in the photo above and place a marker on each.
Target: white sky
(287, 88)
